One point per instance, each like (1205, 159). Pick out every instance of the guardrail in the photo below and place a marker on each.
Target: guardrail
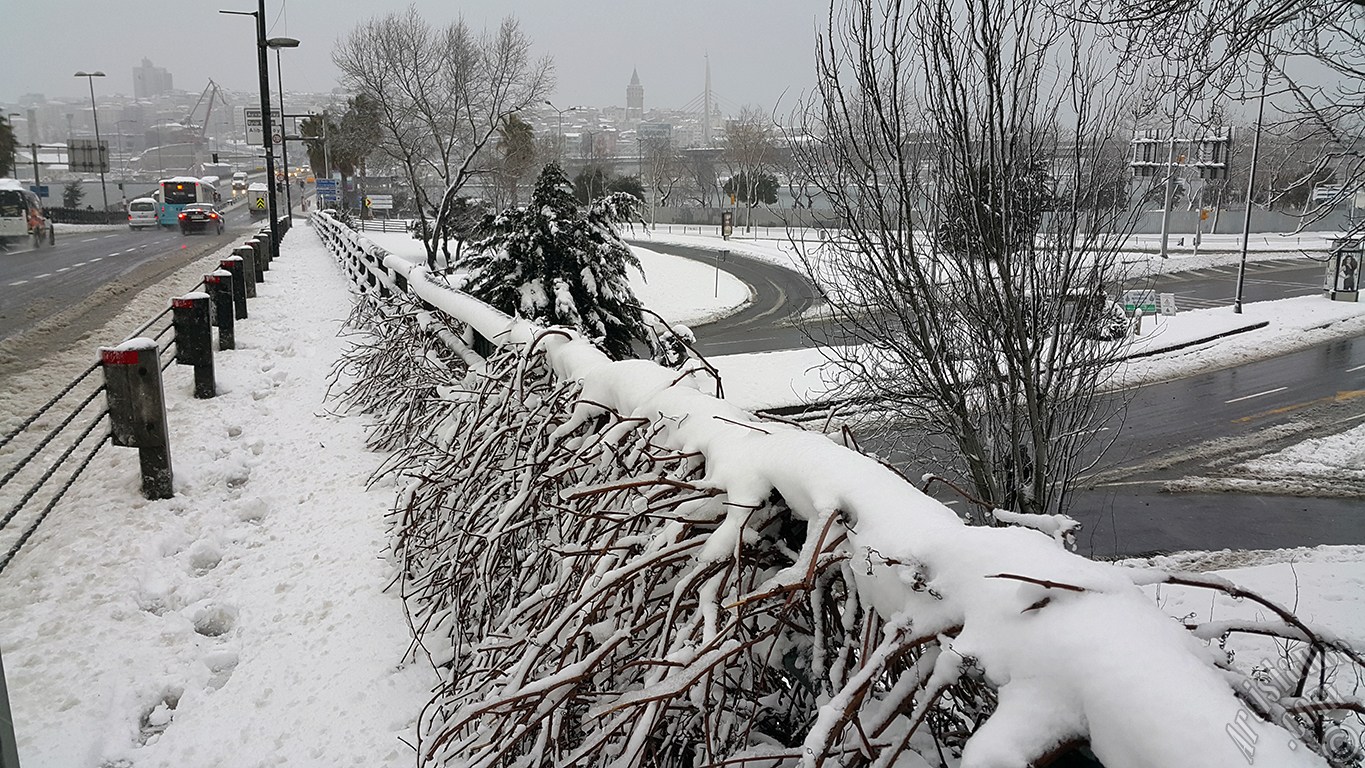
(649, 570)
(384, 225)
(50, 449)
(84, 216)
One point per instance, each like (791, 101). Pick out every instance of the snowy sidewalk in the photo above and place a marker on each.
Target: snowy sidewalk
(244, 621)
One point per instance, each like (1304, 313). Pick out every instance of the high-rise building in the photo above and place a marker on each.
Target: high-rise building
(149, 81)
(635, 97)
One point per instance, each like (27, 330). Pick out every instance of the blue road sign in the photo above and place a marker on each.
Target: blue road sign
(39, 190)
(327, 191)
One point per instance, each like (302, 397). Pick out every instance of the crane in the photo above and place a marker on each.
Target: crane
(210, 93)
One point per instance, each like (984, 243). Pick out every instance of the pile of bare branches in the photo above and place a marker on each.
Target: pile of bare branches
(589, 599)
(594, 593)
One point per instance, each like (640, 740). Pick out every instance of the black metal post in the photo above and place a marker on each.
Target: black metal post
(236, 267)
(9, 746)
(194, 340)
(219, 284)
(137, 410)
(251, 259)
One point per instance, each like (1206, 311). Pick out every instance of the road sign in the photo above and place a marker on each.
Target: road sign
(327, 191)
(1168, 304)
(260, 203)
(255, 132)
(38, 189)
(1140, 299)
(379, 202)
(87, 155)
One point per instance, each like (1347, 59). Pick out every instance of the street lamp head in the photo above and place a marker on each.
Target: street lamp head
(96, 73)
(282, 42)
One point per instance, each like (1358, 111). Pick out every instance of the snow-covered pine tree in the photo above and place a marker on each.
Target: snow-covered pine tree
(557, 263)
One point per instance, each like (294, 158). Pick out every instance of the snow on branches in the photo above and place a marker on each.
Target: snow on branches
(611, 567)
(555, 264)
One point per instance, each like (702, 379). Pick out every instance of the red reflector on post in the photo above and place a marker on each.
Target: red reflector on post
(182, 304)
(212, 279)
(119, 356)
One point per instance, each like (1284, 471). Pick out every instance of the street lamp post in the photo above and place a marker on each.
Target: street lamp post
(123, 166)
(559, 133)
(90, 80)
(14, 145)
(1251, 181)
(277, 43)
(263, 70)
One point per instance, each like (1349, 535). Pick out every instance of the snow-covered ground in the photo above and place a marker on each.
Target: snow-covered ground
(246, 621)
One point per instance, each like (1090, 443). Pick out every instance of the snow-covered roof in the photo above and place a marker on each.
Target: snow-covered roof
(13, 184)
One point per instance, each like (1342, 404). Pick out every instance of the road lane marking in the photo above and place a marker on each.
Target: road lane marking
(106, 237)
(18, 282)
(63, 269)
(90, 240)
(97, 258)
(78, 264)
(1357, 368)
(1258, 394)
(43, 275)
(1339, 397)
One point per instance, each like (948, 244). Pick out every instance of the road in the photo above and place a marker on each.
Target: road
(1168, 430)
(780, 296)
(54, 293)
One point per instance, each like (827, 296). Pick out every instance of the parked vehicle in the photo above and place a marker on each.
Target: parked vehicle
(21, 216)
(180, 191)
(142, 213)
(200, 217)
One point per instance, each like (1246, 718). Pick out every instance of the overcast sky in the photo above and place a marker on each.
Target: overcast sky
(759, 49)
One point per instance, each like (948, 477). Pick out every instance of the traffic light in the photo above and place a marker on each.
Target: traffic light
(215, 158)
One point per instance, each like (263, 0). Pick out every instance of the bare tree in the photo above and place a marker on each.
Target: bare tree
(1312, 54)
(662, 170)
(750, 151)
(443, 94)
(962, 143)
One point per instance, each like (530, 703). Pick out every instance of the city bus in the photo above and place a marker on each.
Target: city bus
(180, 191)
(21, 216)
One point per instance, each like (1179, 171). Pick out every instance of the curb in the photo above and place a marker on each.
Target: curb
(1195, 342)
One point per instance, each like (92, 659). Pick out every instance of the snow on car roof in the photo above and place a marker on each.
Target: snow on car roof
(12, 184)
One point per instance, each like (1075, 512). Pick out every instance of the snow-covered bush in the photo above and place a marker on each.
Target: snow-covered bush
(555, 263)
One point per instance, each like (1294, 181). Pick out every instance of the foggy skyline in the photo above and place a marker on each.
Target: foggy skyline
(761, 52)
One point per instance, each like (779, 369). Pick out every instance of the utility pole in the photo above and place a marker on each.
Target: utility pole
(1251, 181)
(263, 73)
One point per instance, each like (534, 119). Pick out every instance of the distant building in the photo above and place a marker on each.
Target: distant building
(149, 81)
(635, 97)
